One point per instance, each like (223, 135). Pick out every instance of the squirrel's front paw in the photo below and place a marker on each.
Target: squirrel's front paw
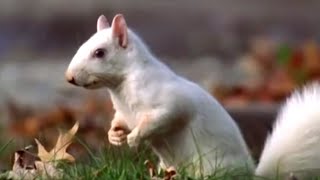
(117, 137)
(134, 138)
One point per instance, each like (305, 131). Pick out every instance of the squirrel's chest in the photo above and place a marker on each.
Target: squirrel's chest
(130, 107)
(135, 99)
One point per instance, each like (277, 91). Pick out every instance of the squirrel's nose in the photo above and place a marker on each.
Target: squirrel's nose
(70, 79)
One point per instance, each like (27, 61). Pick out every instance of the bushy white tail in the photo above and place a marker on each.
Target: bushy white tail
(294, 145)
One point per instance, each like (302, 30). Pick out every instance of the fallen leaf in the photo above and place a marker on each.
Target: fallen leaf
(44, 164)
(59, 152)
(169, 173)
(23, 166)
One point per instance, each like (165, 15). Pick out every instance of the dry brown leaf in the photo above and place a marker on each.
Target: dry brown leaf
(21, 168)
(59, 152)
(28, 166)
(48, 169)
(169, 173)
(44, 164)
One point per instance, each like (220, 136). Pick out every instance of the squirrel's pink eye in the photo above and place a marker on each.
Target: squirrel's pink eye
(99, 53)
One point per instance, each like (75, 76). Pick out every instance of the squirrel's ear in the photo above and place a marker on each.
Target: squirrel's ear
(120, 30)
(102, 23)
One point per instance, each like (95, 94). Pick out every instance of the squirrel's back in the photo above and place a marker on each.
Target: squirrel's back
(211, 136)
(294, 144)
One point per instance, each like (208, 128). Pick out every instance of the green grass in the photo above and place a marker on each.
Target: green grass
(111, 163)
(128, 164)
(123, 163)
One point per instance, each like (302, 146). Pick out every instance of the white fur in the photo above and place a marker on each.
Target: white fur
(185, 125)
(294, 145)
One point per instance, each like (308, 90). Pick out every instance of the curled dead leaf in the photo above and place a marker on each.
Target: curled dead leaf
(169, 173)
(30, 166)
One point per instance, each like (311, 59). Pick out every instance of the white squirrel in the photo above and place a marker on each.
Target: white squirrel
(185, 126)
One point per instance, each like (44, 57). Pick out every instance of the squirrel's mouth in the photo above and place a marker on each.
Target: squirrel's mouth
(93, 85)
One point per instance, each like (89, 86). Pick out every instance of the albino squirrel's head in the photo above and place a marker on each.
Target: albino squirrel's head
(104, 59)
